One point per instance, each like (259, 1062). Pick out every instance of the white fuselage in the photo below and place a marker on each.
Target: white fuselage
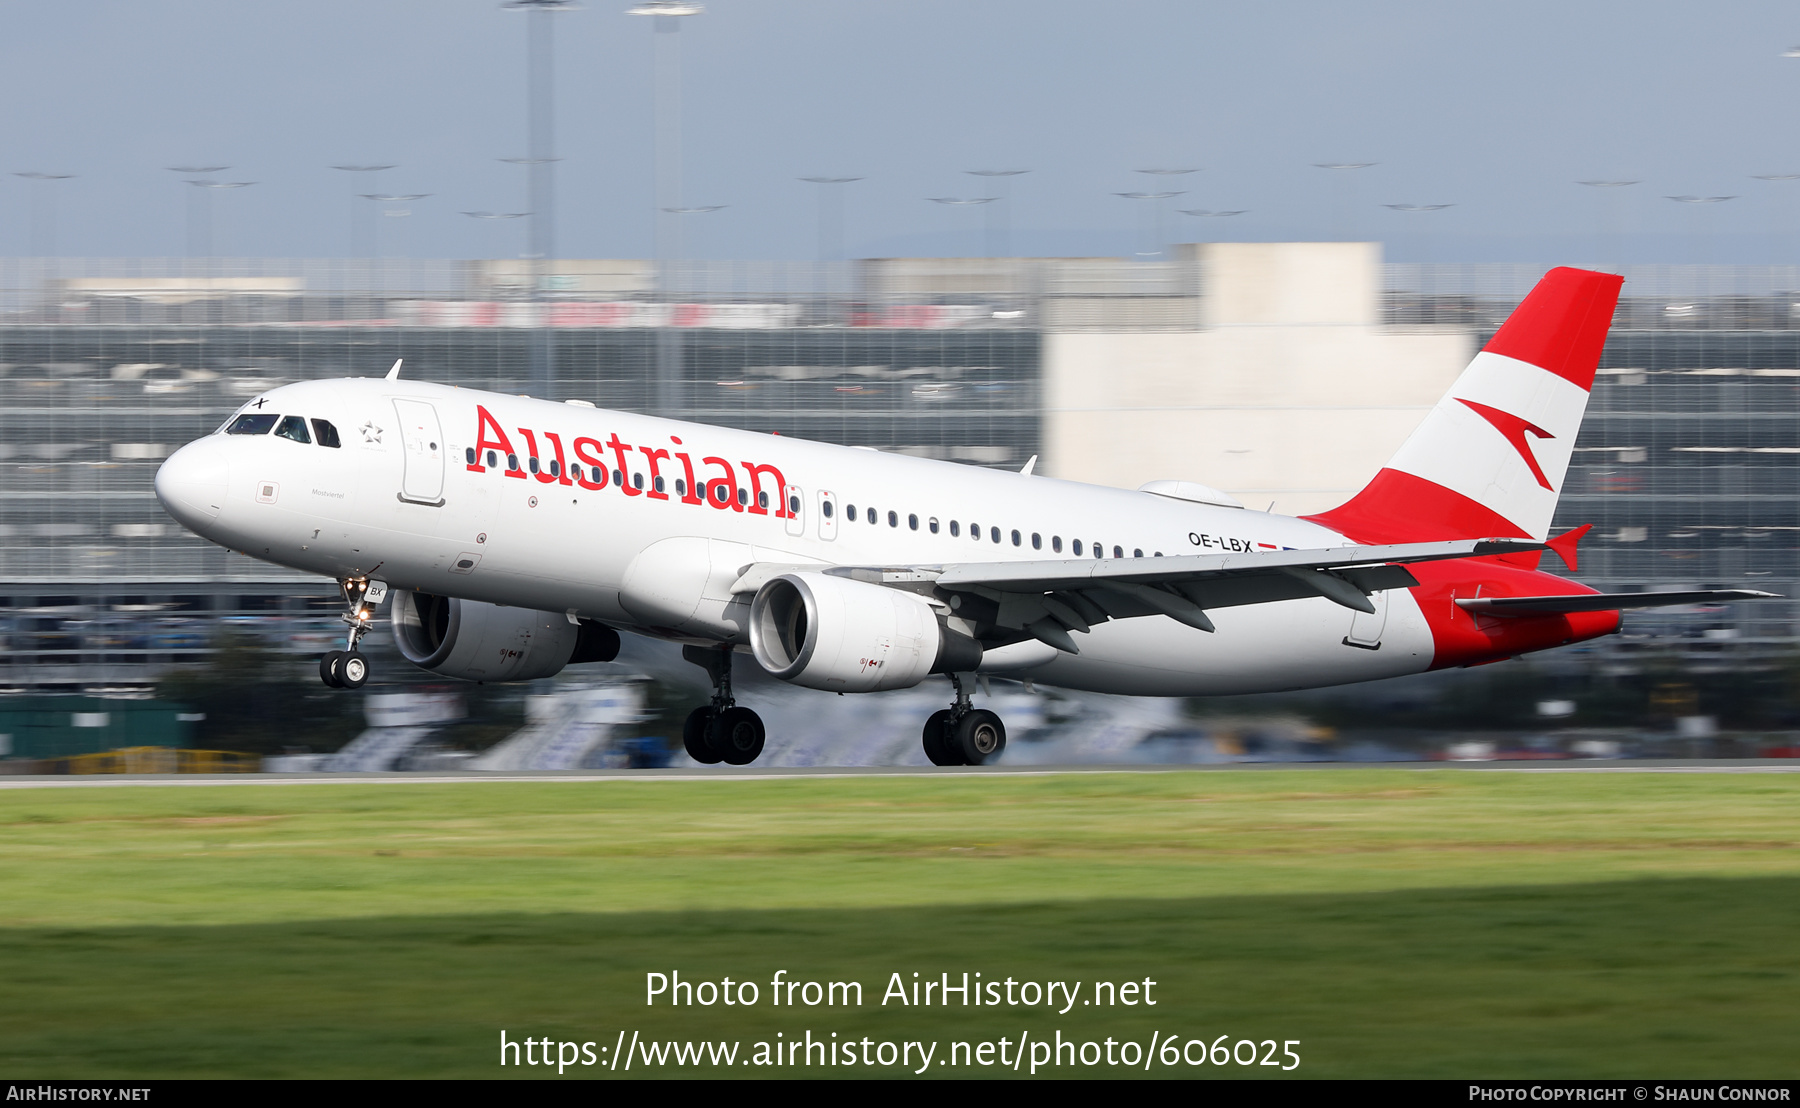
(399, 501)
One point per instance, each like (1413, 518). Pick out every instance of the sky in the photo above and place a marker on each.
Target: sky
(1494, 109)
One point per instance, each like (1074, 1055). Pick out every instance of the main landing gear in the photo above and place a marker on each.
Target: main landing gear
(961, 735)
(349, 668)
(721, 731)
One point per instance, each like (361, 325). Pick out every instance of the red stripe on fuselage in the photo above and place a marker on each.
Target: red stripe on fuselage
(1561, 326)
(1397, 507)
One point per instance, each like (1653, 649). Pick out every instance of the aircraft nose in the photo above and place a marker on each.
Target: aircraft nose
(191, 483)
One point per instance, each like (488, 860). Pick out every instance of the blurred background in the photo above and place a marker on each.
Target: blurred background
(1242, 245)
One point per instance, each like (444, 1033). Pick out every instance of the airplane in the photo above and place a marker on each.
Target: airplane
(516, 536)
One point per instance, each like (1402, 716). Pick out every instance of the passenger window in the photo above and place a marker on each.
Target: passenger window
(294, 427)
(1137, 553)
(1015, 538)
(762, 500)
(618, 478)
(894, 520)
(680, 487)
(532, 464)
(955, 529)
(1037, 541)
(512, 462)
(327, 435)
(659, 480)
(637, 480)
(469, 456)
(1118, 552)
(1075, 547)
(793, 505)
(912, 522)
(994, 534)
(1056, 543)
(933, 524)
(850, 513)
(254, 423)
(825, 508)
(492, 460)
(871, 516)
(743, 494)
(556, 471)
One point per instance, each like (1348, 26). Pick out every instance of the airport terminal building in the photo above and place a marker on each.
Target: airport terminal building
(1285, 374)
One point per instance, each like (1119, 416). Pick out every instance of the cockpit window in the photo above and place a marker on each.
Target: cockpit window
(294, 427)
(252, 423)
(325, 433)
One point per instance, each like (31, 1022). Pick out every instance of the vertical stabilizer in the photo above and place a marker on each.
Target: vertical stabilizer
(1490, 459)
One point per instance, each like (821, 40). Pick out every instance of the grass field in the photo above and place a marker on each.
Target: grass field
(1397, 923)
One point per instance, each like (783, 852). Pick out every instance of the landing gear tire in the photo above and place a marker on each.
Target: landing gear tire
(353, 669)
(938, 745)
(980, 737)
(694, 736)
(331, 669)
(737, 736)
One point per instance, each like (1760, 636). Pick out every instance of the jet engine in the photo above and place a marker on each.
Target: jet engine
(473, 641)
(833, 633)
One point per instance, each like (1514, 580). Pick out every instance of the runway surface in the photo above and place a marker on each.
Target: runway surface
(104, 781)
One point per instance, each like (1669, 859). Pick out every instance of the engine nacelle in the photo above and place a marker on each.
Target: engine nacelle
(486, 642)
(832, 633)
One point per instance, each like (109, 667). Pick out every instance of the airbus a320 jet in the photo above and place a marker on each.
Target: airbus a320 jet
(518, 536)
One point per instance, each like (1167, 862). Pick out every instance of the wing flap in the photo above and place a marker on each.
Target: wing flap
(1050, 576)
(1602, 602)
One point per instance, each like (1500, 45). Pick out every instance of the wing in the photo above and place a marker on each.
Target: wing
(1047, 600)
(1602, 602)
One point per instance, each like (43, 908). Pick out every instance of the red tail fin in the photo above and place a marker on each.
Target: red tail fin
(1490, 459)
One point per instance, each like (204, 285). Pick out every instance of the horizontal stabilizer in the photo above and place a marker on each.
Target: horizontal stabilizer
(1602, 602)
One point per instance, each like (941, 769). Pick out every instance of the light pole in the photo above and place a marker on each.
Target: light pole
(831, 214)
(1162, 234)
(362, 177)
(1204, 213)
(1425, 251)
(495, 218)
(200, 242)
(381, 198)
(666, 17)
(1001, 212)
(1155, 198)
(1346, 172)
(680, 236)
(1610, 223)
(540, 166)
(198, 207)
(43, 211)
(1703, 233)
(960, 202)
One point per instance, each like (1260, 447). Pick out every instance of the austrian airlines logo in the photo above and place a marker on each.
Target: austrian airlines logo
(1514, 429)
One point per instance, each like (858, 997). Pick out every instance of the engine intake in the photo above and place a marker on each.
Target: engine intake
(832, 633)
(473, 641)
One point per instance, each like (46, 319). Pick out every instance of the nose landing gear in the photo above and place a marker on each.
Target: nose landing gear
(962, 735)
(721, 731)
(349, 668)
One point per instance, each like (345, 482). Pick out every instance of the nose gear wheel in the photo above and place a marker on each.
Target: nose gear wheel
(349, 668)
